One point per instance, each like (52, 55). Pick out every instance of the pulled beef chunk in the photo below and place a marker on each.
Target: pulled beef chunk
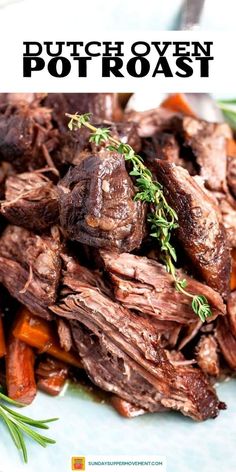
(97, 206)
(231, 174)
(207, 355)
(162, 146)
(152, 121)
(74, 146)
(144, 285)
(27, 137)
(121, 354)
(207, 142)
(112, 370)
(200, 232)
(101, 105)
(31, 201)
(232, 312)
(6, 170)
(189, 332)
(228, 212)
(64, 334)
(30, 268)
(74, 273)
(21, 99)
(227, 341)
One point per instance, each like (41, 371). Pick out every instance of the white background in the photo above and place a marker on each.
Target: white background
(222, 69)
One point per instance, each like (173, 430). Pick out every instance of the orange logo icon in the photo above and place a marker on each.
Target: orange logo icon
(78, 463)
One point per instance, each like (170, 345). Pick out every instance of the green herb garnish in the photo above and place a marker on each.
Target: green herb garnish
(228, 108)
(162, 219)
(20, 426)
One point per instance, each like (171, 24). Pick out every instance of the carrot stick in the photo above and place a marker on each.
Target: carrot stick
(231, 147)
(2, 340)
(40, 333)
(177, 102)
(233, 272)
(20, 378)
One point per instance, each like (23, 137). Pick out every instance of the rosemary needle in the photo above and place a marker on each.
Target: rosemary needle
(20, 426)
(162, 219)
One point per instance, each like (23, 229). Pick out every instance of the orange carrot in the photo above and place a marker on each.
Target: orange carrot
(41, 334)
(20, 380)
(231, 147)
(2, 340)
(177, 102)
(233, 272)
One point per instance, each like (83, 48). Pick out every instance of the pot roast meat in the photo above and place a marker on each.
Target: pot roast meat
(74, 146)
(207, 142)
(21, 99)
(162, 146)
(207, 355)
(64, 334)
(231, 305)
(76, 275)
(27, 137)
(228, 212)
(101, 105)
(153, 121)
(121, 354)
(144, 285)
(6, 170)
(31, 201)
(200, 232)
(30, 268)
(112, 370)
(231, 174)
(97, 206)
(227, 341)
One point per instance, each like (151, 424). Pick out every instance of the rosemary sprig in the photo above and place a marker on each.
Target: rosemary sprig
(162, 219)
(19, 425)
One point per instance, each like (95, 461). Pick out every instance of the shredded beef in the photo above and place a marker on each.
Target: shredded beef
(144, 285)
(27, 137)
(30, 268)
(121, 354)
(31, 201)
(207, 142)
(207, 355)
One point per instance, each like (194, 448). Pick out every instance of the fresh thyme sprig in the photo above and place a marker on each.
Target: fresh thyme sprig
(162, 219)
(19, 425)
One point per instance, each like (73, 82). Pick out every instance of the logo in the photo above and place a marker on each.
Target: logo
(78, 463)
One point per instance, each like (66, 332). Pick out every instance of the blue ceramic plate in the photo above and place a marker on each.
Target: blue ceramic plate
(87, 427)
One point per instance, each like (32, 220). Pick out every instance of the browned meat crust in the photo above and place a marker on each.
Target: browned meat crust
(97, 206)
(201, 232)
